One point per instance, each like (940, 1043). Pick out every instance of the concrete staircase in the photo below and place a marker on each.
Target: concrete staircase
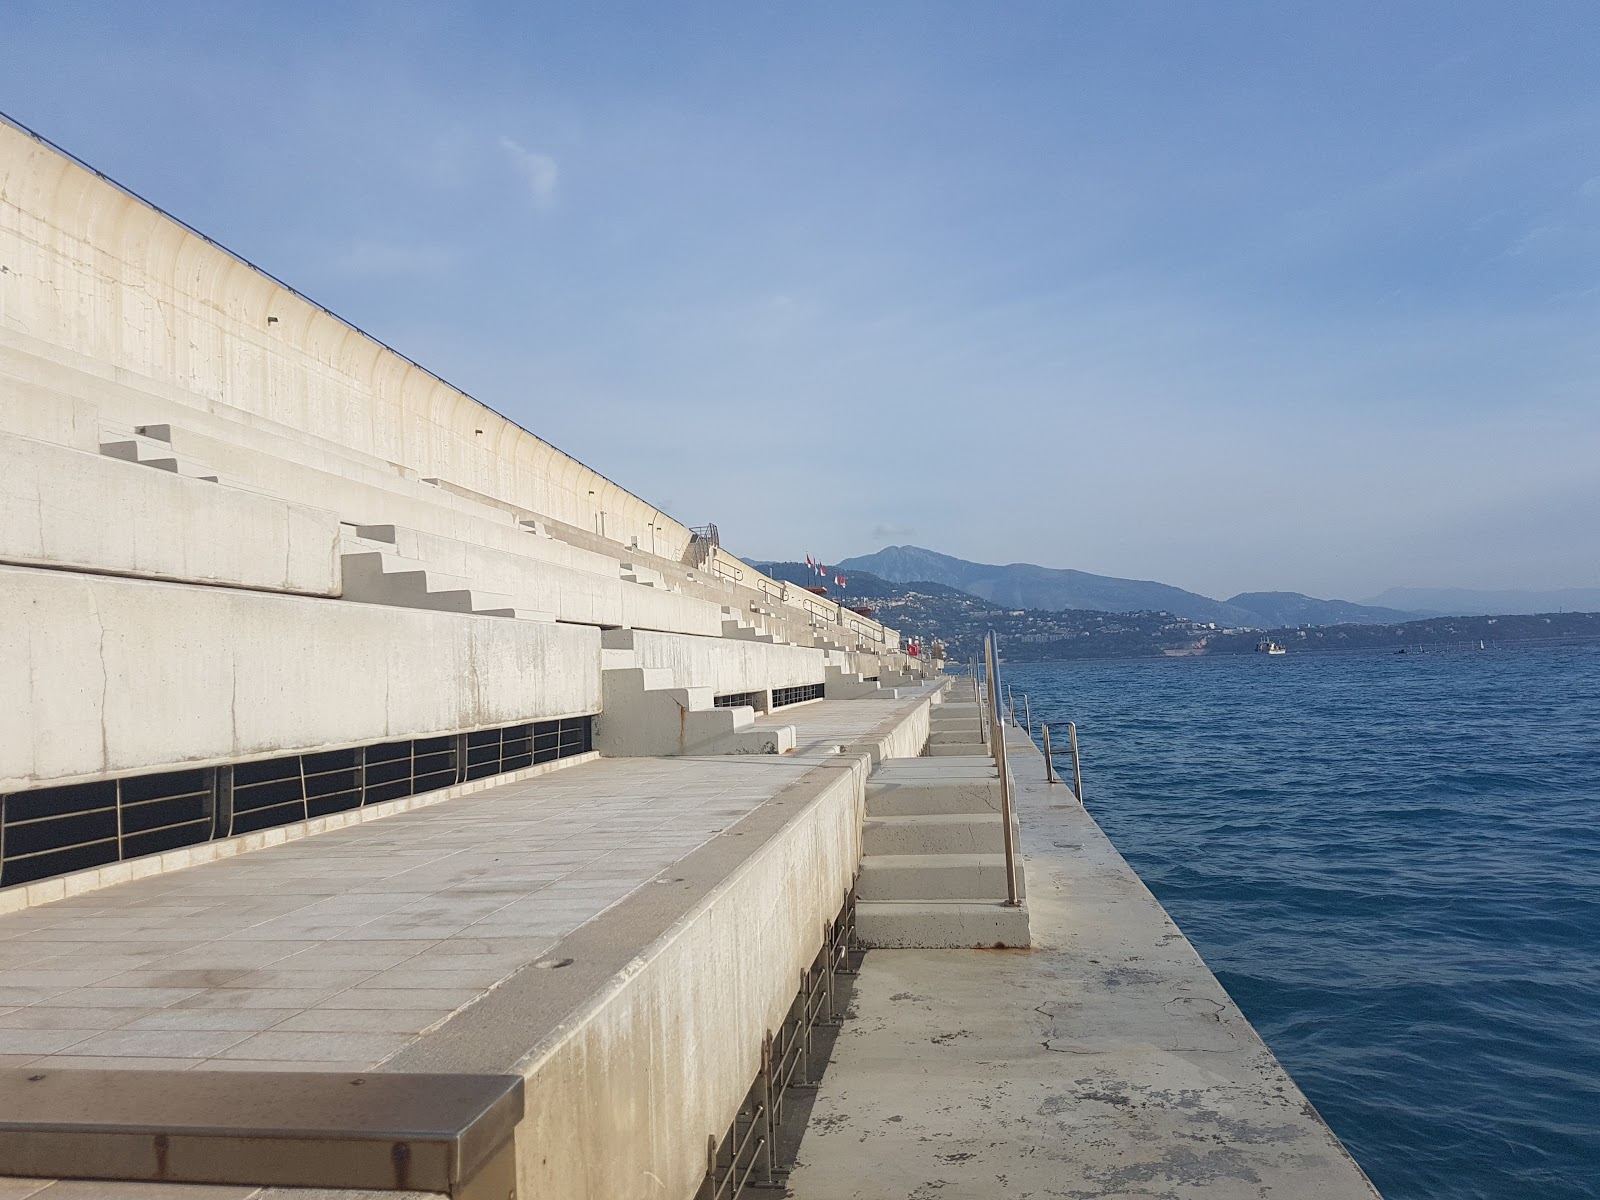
(933, 867)
(735, 626)
(374, 574)
(644, 715)
(841, 684)
(955, 728)
(151, 446)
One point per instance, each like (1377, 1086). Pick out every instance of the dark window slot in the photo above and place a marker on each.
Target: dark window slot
(52, 831)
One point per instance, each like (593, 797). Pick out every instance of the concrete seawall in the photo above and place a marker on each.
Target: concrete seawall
(1104, 1061)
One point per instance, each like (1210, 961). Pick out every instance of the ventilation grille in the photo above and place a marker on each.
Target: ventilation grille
(54, 831)
(738, 700)
(796, 695)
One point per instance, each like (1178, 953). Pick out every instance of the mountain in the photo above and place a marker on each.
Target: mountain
(1289, 609)
(1023, 585)
(1468, 602)
(861, 585)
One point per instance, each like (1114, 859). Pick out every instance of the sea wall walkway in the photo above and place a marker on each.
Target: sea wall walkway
(1104, 1061)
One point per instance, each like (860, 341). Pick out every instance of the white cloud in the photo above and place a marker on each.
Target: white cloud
(539, 171)
(1590, 188)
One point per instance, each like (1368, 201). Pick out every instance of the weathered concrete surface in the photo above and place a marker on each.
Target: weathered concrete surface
(1106, 1061)
(61, 507)
(104, 675)
(113, 313)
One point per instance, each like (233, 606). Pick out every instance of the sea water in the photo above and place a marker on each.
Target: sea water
(1392, 863)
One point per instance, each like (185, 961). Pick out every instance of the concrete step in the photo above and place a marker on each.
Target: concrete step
(644, 715)
(933, 877)
(153, 452)
(520, 614)
(374, 577)
(941, 797)
(938, 924)
(941, 735)
(934, 833)
(960, 749)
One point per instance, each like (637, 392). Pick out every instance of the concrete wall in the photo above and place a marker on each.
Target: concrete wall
(64, 507)
(97, 273)
(727, 665)
(104, 675)
(622, 1105)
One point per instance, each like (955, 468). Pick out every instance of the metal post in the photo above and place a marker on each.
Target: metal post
(1077, 770)
(998, 746)
(1027, 713)
(1049, 764)
(978, 695)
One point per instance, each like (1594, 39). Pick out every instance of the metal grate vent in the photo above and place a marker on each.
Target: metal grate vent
(796, 695)
(738, 700)
(55, 831)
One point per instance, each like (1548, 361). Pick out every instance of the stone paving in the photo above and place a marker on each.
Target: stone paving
(334, 952)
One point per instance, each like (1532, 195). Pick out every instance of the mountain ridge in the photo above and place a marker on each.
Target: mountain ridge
(1029, 586)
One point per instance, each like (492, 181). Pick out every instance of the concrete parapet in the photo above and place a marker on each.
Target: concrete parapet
(61, 507)
(109, 676)
(635, 1057)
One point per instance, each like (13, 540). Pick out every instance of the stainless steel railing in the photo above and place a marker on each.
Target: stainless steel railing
(997, 745)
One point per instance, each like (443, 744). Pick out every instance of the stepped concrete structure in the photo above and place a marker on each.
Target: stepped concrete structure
(392, 805)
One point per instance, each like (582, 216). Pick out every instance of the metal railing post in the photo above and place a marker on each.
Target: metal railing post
(1027, 713)
(1077, 769)
(998, 746)
(1049, 763)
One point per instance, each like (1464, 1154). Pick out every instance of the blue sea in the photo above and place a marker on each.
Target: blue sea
(1392, 862)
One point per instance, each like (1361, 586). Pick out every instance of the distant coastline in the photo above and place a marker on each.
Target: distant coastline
(960, 618)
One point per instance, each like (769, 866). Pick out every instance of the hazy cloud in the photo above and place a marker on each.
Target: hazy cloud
(885, 529)
(539, 171)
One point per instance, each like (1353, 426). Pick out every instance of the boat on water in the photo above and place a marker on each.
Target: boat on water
(1268, 646)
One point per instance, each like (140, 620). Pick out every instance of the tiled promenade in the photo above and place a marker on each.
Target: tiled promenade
(335, 952)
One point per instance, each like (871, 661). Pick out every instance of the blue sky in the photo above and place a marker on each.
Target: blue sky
(1235, 296)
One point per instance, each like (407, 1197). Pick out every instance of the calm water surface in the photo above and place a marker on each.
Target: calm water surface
(1392, 862)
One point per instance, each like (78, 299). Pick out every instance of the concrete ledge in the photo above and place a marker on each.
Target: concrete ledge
(645, 1045)
(444, 1133)
(941, 924)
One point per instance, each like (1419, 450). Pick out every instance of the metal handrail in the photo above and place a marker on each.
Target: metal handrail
(1072, 749)
(997, 744)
